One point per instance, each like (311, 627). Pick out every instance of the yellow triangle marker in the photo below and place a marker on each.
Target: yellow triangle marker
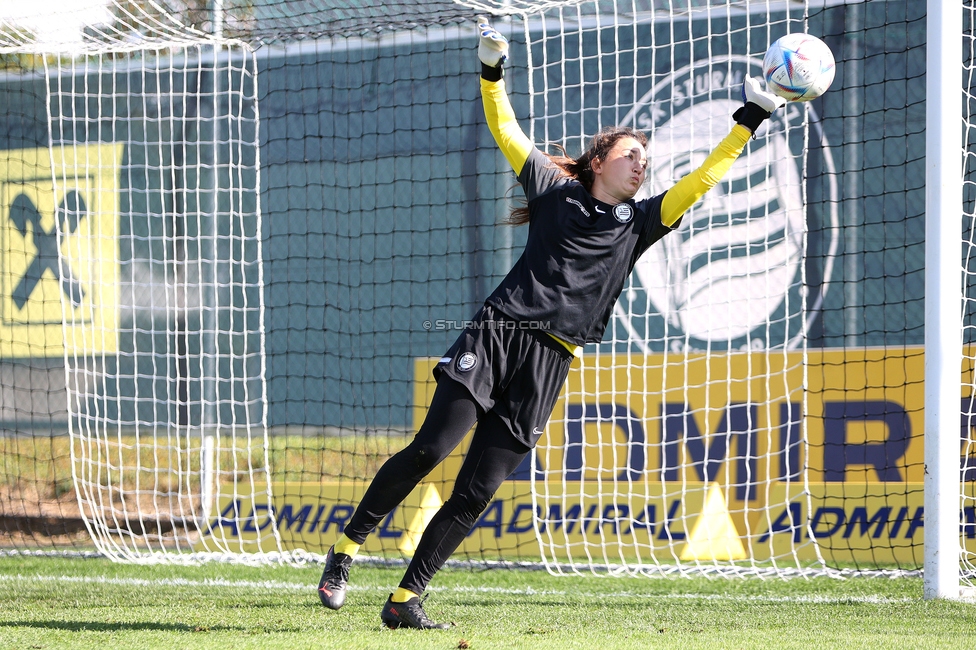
(714, 535)
(430, 503)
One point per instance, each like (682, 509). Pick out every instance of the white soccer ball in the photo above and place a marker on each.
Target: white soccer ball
(798, 67)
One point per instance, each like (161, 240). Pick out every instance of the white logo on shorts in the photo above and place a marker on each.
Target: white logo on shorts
(466, 362)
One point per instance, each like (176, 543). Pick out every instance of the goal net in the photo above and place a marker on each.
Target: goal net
(133, 248)
(755, 406)
(217, 322)
(681, 431)
(967, 529)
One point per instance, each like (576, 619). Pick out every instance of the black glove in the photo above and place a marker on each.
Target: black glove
(759, 104)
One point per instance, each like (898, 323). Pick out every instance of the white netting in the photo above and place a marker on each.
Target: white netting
(150, 182)
(968, 442)
(693, 402)
(755, 409)
(94, 27)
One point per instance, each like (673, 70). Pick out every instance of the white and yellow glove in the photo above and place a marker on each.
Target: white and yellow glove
(492, 50)
(759, 104)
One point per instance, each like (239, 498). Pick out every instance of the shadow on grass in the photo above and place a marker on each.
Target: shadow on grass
(99, 626)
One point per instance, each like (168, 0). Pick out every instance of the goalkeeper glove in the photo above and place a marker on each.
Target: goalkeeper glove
(492, 50)
(759, 104)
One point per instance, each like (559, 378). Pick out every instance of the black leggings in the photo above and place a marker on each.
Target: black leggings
(494, 454)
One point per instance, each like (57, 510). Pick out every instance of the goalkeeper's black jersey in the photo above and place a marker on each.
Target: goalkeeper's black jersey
(578, 254)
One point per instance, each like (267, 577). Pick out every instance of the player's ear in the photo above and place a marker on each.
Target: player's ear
(596, 165)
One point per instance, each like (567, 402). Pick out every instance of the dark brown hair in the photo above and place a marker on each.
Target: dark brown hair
(579, 168)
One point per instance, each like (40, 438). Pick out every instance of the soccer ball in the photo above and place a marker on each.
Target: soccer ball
(798, 67)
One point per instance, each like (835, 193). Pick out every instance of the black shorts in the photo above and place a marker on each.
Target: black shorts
(514, 371)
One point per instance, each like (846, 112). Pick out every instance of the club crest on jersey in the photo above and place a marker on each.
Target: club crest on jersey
(466, 362)
(731, 276)
(623, 213)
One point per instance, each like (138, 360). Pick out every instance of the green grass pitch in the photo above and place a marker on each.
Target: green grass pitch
(92, 603)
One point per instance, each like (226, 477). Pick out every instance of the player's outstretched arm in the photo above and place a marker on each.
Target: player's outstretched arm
(757, 107)
(493, 52)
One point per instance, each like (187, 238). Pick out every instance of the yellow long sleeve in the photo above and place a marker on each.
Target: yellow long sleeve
(514, 144)
(686, 192)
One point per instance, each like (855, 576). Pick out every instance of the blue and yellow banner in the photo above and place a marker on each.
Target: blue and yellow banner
(686, 457)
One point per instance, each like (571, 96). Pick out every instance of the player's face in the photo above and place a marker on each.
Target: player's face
(619, 177)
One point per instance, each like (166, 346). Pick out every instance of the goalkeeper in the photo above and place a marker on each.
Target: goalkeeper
(503, 373)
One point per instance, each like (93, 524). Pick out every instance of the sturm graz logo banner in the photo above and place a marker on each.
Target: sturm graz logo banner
(731, 277)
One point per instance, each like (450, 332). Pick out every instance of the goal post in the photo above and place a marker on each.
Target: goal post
(943, 288)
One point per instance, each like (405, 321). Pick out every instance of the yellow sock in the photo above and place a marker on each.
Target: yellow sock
(401, 595)
(347, 546)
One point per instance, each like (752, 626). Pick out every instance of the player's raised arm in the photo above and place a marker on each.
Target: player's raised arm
(493, 52)
(759, 105)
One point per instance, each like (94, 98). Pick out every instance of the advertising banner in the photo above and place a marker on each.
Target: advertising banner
(681, 457)
(59, 250)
